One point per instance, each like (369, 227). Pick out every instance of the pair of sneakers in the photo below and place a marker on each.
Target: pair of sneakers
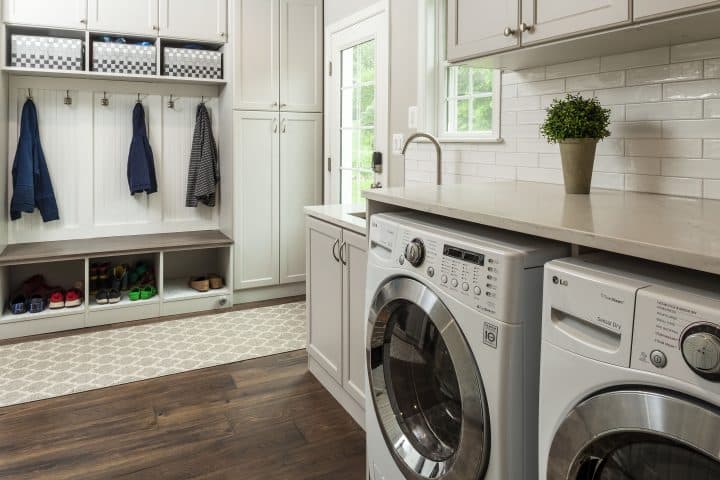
(71, 298)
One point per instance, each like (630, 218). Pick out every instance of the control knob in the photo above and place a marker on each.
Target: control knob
(415, 252)
(701, 350)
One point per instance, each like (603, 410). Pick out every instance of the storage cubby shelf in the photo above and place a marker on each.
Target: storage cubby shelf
(9, 317)
(111, 246)
(125, 302)
(39, 72)
(178, 289)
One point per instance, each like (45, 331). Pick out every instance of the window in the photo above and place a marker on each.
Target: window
(467, 103)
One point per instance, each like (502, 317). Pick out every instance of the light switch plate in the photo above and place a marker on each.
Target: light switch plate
(412, 117)
(397, 143)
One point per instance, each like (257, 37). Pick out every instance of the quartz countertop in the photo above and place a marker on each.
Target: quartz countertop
(674, 230)
(340, 215)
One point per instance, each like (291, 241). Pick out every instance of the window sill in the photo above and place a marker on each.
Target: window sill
(462, 140)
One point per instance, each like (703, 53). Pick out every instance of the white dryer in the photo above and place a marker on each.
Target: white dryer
(452, 349)
(630, 371)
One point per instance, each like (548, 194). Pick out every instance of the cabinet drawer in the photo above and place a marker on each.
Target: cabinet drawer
(109, 315)
(42, 325)
(196, 305)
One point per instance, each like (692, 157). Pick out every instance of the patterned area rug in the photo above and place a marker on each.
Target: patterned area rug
(60, 366)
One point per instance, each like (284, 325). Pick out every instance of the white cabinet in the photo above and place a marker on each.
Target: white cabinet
(478, 27)
(300, 186)
(129, 16)
(278, 50)
(337, 262)
(301, 55)
(650, 8)
(191, 19)
(257, 221)
(546, 19)
(325, 296)
(46, 13)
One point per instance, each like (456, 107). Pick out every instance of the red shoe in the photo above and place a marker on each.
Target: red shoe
(57, 299)
(73, 298)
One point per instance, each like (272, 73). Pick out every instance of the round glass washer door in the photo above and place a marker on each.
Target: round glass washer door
(425, 384)
(629, 435)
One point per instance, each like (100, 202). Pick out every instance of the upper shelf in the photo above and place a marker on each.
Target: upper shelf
(108, 246)
(112, 76)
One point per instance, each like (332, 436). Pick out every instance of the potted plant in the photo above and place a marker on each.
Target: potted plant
(576, 123)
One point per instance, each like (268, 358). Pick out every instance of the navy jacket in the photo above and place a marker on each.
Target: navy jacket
(141, 164)
(31, 179)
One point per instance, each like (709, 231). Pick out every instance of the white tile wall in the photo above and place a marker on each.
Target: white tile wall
(665, 124)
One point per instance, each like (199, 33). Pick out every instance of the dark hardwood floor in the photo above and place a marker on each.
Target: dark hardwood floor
(260, 419)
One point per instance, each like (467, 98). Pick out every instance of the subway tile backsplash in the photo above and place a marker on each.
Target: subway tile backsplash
(665, 125)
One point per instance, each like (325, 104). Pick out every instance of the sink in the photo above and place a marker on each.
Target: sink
(362, 215)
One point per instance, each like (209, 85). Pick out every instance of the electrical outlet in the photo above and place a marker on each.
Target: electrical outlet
(413, 117)
(397, 141)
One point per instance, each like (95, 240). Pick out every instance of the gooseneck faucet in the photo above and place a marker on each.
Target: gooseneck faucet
(438, 150)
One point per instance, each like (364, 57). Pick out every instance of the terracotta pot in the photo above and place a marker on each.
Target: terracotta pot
(578, 157)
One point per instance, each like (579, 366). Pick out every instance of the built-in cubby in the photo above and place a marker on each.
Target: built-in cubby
(181, 267)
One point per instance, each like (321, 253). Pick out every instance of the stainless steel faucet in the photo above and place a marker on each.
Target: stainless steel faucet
(438, 151)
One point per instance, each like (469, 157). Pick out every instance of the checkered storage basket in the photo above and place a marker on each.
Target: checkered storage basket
(55, 53)
(187, 62)
(124, 58)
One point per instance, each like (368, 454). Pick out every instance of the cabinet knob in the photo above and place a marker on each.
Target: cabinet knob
(156, 28)
(508, 32)
(83, 21)
(222, 34)
(283, 105)
(524, 27)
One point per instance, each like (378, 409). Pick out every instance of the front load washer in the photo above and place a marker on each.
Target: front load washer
(630, 371)
(452, 349)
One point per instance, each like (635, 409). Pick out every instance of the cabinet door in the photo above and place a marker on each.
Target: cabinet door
(46, 13)
(190, 19)
(300, 186)
(324, 296)
(129, 16)
(560, 18)
(477, 27)
(256, 222)
(650, 8)
(256, 55)
(354, 256)
(301, 54)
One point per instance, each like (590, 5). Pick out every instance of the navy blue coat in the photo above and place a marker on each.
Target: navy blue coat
(32, 186)
(141, 164)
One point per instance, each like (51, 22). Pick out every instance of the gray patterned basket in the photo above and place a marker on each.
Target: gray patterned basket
(54, 53)
(124, 58)
(191, 63)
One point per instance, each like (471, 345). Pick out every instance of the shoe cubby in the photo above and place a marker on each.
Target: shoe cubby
(35, 282)
(123, 288)
(181, 268)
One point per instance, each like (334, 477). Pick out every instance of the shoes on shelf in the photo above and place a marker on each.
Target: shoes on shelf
(57, 299)
(201, 284)
(114, 295)
(134, 294)
(147, 292)
(37, 303)
(18, 304)
(216, 281)
(74, 297)
(102, 297)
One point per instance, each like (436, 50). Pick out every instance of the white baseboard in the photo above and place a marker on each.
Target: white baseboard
(268, 293)
(356, 411)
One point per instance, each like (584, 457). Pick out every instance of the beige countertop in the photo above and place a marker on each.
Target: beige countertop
(674, 230)
(340, 215)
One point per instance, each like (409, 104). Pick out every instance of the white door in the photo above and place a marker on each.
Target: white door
(301, 54)
(477, 27)
(48, 13)
(649, 8)
(128, 16)
(300, 186)
(354, 257)
(357, 109)
(324, 296)
(559, 18)
(257, 159)
(190, 19)
(257, 60)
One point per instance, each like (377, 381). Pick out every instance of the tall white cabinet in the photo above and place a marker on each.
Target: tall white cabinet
(278, 135)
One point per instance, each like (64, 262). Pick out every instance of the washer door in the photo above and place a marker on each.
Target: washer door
(425, 384)
(629, 435)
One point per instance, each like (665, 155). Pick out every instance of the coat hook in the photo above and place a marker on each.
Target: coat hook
(171, 102)
(138, 100)
(104, 100)
(67, 100)
(202, 100)
(29, 95)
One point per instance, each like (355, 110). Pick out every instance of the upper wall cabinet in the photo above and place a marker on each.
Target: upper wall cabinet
(191, 19)
(278, 50)
(479, 27)
(129, 16)
(46, 13)
(547, 19)
(650, 8)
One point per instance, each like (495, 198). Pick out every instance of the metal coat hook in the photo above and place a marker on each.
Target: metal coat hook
(202, 100)
(138, 100)
(67, 100)
(171, 102)
(104, 100)
(29, 95)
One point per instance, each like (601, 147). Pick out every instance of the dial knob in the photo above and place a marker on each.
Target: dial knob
(415, 252)
(701, 349)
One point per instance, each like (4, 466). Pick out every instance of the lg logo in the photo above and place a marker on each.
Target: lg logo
(559, 281)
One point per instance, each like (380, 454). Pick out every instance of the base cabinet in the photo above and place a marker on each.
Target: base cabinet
(336, 266)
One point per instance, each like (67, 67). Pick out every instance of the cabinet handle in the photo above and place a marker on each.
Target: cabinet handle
(524, 27)
(342, 257)
(274, 104)
(508, 32)
(222, 34)
(83, 21)
(334, 250)
(275, 126)
(283, 105)
(284, 125)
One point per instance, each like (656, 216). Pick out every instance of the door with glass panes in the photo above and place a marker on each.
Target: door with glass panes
(357, 110)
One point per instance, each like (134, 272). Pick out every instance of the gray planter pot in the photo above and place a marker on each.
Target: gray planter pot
(578, 157)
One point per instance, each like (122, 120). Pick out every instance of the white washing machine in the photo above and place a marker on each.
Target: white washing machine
(630, 371)
(452, 349)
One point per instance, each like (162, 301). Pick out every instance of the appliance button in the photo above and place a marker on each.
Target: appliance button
(444, 279)
(465, 286)
(454, 282)
(431, 272)
(477, 290)
(658, 358)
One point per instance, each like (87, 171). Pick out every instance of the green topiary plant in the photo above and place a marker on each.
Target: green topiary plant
(575, 117)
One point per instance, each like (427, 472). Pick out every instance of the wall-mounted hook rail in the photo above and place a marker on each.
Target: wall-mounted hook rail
(104, 100)
(68, 99)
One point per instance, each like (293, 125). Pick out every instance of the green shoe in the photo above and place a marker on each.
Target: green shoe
(148, 291)
(134, 294)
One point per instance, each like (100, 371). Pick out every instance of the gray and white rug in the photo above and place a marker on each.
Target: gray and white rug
(76, 363)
